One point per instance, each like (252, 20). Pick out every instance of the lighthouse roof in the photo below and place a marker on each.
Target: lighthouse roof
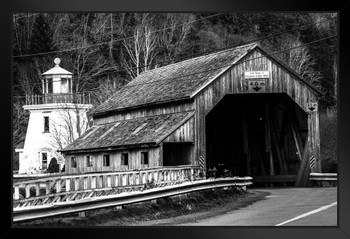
(57, 70)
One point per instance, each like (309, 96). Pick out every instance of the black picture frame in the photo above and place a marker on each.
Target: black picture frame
(8, 7)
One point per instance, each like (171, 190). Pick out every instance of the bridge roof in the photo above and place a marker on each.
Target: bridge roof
(179, 81)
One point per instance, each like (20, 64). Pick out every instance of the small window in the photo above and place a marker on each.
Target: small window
(144, 157)
(69, 85)
(106, 160)
(73, 162)
(64, 85)
(46, 124)
(49, 86)
(88, 161)
(125, 159)
(44, 160)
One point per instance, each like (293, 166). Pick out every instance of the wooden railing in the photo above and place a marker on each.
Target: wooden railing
(76, 98)
(78, 182)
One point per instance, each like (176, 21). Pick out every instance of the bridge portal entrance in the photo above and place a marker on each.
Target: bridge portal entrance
(258, 135)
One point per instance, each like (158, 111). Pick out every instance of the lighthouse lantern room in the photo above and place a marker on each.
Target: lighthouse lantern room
(57, 80)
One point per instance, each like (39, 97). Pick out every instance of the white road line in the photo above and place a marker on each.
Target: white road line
(308, 214)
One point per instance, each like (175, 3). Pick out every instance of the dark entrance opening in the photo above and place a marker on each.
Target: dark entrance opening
(258, 135)
(177, 153)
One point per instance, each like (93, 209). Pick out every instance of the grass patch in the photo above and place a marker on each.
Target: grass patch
(214, 201)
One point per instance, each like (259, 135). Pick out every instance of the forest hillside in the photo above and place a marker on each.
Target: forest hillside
(104, 51)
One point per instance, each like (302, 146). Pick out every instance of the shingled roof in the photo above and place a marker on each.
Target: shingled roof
(149, 130)
(173, 82)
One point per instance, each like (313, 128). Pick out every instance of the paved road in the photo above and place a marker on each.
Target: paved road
(286, 206)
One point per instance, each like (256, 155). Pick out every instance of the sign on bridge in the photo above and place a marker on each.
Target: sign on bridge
(256, 81)
(312, 107)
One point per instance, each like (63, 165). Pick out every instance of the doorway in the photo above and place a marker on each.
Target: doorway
(175, 154)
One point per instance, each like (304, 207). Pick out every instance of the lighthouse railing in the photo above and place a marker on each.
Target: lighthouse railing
(61, 98)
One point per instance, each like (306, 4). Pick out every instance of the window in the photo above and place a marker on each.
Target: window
(46, 124)
(70, 85)
(88, 161)
(49, 86)
(73, 162)
(64, 85)
(44, 160)
(125, 159)
(106, 160)
(144, 157)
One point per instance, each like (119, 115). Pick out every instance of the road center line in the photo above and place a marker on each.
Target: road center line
(308, 213)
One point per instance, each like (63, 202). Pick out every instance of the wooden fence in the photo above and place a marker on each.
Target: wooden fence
(78, 182)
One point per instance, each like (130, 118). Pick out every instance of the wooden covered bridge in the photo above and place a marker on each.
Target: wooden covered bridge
(240, 111)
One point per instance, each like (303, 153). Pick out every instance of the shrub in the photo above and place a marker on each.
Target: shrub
(53, 166)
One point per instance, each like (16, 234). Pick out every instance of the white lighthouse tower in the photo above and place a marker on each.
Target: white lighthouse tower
(57, 117)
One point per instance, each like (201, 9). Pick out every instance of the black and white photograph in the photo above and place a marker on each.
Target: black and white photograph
(191, 119)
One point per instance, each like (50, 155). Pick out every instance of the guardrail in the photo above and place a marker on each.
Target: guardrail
(76, 182)
(109, 200)
(323, 179)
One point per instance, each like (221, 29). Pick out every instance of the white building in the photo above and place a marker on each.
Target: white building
(57, 117)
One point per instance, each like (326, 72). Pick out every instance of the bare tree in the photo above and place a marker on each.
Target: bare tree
(24, 80)
(22, 29)
(105, 90)
(152, 35)
(178, 28)
(69, 125)
(299, 59)
(87, 37)
(141, 48)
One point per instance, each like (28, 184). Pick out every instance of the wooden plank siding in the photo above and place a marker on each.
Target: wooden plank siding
(184, 133)
(232, 82)
(115, 161)
(142, 112)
